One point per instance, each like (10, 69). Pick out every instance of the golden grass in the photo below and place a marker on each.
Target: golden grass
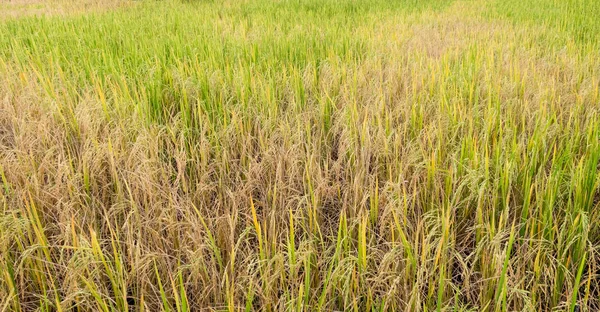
(229, 156)
(11, 9)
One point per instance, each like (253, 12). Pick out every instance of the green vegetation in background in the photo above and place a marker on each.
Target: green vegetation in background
(302, 155)
(576, 18)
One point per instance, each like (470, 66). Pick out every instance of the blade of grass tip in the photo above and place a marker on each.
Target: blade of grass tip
(258, 229)
(299, 299)
(38, 228)
(405, 244)
(57, 301)
(250, 297)
(342, 236)
(307, 278)
(13, 295)
(183, 294)
(374, 212)
(163, 295)
(229, 294)
(119, 282)
(211, 239)
(362, 245)
(501, 287)
(108, 267)
(4, 181)
(292, 243)
(175, 291)
(91, 287)
(441, 286)
(577, 282)
(142, 303)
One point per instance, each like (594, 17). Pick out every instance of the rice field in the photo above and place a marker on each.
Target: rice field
(299, 155)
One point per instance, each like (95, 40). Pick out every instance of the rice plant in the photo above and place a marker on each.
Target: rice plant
(300, 155)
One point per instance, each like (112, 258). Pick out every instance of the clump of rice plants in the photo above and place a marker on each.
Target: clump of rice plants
(300, 155)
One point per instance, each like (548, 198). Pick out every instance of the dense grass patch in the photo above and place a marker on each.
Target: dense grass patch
(301, 155)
